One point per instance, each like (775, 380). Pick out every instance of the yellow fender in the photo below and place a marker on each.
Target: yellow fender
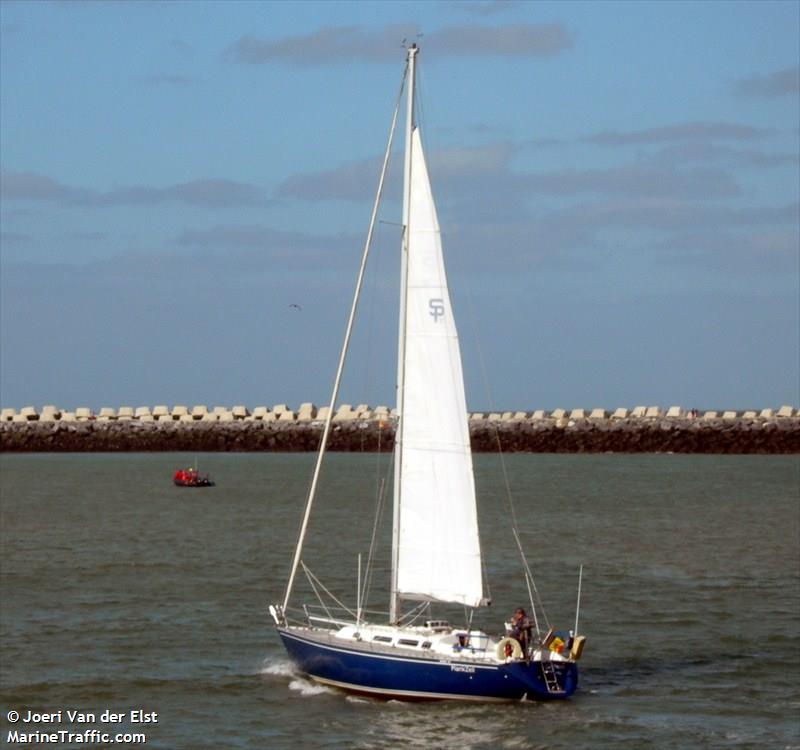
(516, 649)
(577, 647)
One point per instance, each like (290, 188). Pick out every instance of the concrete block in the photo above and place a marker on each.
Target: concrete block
(142, 411)
(286, 416)
(344, 413)
(322, 413)
(558, 414)
(144, 417)
(381, 411)
(785, 411)
(226, 416)
(598, 414)
(475, 416)
(520, 416)
(83, 413)
(280, 408)
(577, 414)
(48, 416)
(125, 412)
(361, 409)
(210, 416)
(7, 414)
(620, 413)
(163, 418)
(675, 412)
(711, 415)
(199, 411)
(638, 412)
(653, 412)
(767, 414)
(538, 415)
(28, 413)
(260, 412)
(107, 414)
(51, 409)
(306, 412)
(729, 415)
(220, 410)
(494, 417)
(160, 411)
(749, 414)
(19, 418)
(240, 412)
(179, 411)
(186, 418)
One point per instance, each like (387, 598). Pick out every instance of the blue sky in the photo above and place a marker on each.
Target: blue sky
(617, 186)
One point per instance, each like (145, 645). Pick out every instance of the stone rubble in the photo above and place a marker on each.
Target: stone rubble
(516, 433)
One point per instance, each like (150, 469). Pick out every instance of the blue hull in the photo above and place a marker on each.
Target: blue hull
(361, 669)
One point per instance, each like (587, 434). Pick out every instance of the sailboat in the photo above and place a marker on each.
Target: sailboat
(436, 552)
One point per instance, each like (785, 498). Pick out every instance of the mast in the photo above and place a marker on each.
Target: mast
(394, 603)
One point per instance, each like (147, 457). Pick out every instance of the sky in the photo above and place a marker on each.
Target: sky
(186, 188)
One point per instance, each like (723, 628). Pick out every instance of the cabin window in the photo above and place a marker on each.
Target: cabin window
(382, 639)
(426, 644)
(407, 642)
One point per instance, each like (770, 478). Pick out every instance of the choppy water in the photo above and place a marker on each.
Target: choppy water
(121, 591)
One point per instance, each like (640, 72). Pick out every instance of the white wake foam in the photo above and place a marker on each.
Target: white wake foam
(280, 667)
(298, 682)
(306, 687)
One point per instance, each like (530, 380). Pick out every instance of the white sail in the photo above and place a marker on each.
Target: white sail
(438, 547)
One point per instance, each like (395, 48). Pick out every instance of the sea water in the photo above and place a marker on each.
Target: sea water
(134, 608)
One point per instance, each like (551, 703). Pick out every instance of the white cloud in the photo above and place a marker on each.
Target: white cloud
(684, 131)
(332, 44)
(205, 192)
(785, 82)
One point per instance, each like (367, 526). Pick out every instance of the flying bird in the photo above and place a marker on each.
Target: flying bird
(296, 306)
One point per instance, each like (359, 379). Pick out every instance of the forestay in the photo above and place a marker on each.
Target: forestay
(439, 551)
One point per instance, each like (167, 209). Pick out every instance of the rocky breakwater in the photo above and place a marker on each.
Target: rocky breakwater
(634, 435)
(97, 436)
(756, 435)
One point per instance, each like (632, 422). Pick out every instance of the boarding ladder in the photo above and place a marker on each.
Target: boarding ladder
(550, 679)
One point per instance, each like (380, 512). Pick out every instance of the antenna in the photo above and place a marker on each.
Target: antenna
(578, 605)
(404, 43)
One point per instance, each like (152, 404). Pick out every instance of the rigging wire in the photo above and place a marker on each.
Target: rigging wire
(312, 579)
(411, 616)
(343, 354)
(379, 509)
(530, 581)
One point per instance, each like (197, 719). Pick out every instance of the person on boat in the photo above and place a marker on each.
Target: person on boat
(521, 628)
